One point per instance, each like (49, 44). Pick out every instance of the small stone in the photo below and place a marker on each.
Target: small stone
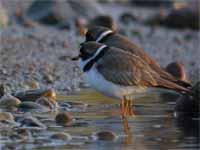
(6, 116)
(33, 84)
(63, 118)
(61, 136)
(127, 18)
(33, 95)
(32, 105)
(23, 134)
(29, 23)
(47, 102)
(177, 70)
(48, 78)
(106, 135)
(3, 90)
(9, 101)
(31, 122)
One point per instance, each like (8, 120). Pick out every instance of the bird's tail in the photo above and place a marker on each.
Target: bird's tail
(178, 86)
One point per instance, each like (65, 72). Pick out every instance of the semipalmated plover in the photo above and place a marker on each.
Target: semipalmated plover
(108, 37)
(121, 74)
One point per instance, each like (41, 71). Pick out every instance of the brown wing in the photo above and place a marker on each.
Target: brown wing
(123, 43)
(125, 69)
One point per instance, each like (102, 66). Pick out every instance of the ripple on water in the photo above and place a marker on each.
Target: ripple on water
(93, 115)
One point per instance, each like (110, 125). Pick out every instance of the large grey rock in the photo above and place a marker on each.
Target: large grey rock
(62, 13)
(182, 17)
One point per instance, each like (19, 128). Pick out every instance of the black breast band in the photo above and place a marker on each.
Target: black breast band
(89, 65)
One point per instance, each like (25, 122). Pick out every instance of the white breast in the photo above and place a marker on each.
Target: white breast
(98, 82)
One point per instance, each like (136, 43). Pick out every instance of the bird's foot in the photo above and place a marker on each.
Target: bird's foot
(126, 108)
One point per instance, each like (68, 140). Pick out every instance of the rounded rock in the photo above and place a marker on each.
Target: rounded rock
(32, 105)
(177, 70)
(31, 122)
(61, 136)
(127, 18)
(8, 101)
(33, 84)
(47, 102)
(63, 118)
(6, 116)
(106, 135)
(34, 94)
(3, 90)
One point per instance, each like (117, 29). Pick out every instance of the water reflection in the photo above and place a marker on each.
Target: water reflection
(153, 128)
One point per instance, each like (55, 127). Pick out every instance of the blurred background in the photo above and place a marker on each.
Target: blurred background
(43, 103)
(38, 37)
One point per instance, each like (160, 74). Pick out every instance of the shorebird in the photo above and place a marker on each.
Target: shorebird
(120, 74)
(110, 38)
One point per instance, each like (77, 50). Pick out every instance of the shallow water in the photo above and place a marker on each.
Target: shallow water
(153, 128)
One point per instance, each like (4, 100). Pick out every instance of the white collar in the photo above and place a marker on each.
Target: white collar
(83, 63)
(104, 34)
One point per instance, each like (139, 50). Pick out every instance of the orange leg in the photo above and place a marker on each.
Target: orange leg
(125, 125)
(130, 109)
(126, 107)
(124, 110)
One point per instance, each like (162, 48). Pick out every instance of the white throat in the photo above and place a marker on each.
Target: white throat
(104, 34)
(83, 63)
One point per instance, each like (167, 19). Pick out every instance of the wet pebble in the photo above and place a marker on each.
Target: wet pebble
(32, 95)
(6, 116)
(9, 101)
(3, 90)
(22, 134)
(47, 102)
(106, 135)
(29, 122)
(61, 136)
(78, 106)
(177, 70)
(63, 119)
(157, 126)
(80, 124)
(32, 105)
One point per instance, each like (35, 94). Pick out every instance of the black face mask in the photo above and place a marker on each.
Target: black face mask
(89, 37)
(84, 55)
